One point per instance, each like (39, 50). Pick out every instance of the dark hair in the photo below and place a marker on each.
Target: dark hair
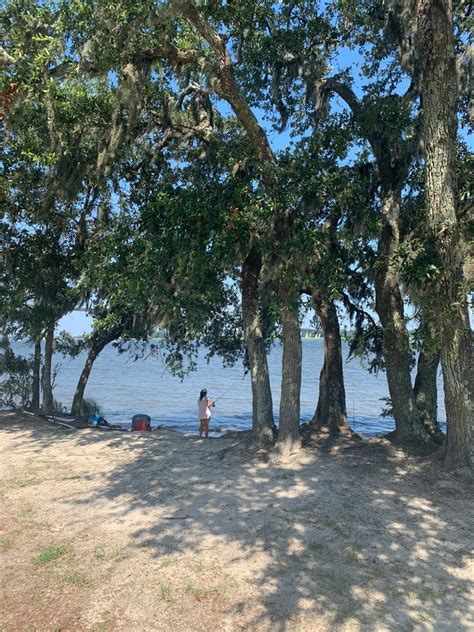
(203, 394)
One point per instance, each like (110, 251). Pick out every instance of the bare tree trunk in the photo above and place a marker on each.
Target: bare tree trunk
(47, 372)
(331, 410)
(439, 93)
(76, 408)
(456, 361)
(263, 425)
(98, 343)
(289, 428)
(322, 408)
(35, 387)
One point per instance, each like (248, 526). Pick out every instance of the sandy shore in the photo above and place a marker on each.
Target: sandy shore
(141, 532)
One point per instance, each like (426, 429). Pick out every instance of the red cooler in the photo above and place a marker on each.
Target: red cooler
(141, 422)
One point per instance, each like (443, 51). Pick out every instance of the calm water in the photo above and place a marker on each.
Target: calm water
(124, 388)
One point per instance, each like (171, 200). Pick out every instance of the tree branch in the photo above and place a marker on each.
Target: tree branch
(348, 95)
(225, 83)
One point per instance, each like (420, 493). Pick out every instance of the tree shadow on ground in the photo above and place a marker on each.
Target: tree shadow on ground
(351, 533)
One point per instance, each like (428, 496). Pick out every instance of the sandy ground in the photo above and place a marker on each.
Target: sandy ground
(112, 531)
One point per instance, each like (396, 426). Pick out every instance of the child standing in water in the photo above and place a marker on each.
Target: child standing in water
(204, 412)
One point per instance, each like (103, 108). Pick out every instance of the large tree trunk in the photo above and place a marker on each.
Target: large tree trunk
(98, 343)
(47, 372)
(289, 427)
(76, 408)
(36, 381)
(322, 408)
(409, 428)
(263, 425)
(331, 410)
(439, 93)
(426, 390)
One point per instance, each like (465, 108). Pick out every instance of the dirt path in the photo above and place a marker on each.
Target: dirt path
(142, 532)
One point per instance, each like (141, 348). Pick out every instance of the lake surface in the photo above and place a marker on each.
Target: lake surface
(123, 388)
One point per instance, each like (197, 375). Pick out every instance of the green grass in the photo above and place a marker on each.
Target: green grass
(39, 524)
(50, 554)
(78, 579)
(352, 556)
(29, 482)
(427, 593)
(105, 625)
(17, 483)
(62, 431)
(5, 543)
(461, 590)
(316, 547)
(197, 593)
(373, 574)
(336, 584)
(166, 595)
(99, 553)
(166, 563)
(119, 554)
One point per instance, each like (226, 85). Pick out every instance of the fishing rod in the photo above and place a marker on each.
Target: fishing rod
(225, 392)
(217, 399)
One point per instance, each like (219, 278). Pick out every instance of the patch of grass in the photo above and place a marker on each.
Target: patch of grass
(336, 584)
(120, 554)
(5, 543)
(166, 594)
(324, 521)
(78, 579)
(196, 593)
(427, 593)
(422, 617)
(166, 563)
(199, 594)
(461, 590)
(373, 574)
(217, 592)
(50, 554)
(26, 512)
(99, 553)
(316, 547)
(62, 431)
(288, 563)
(352, 556)
(198, 567)
(17, 483)
(349, 610)
(42, 524)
